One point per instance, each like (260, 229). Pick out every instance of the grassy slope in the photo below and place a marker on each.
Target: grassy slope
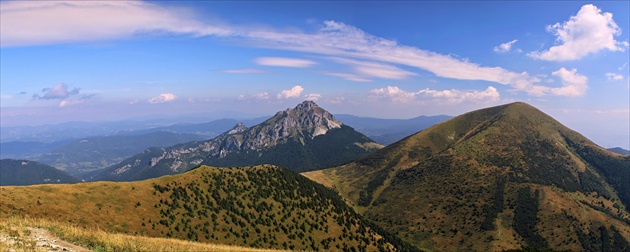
(26, 172)
(437, 188)
(264, 207)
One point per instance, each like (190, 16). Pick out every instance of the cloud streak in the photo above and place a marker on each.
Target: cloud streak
(505, 47)
(451, 96)
(284, 62)
(51, 22)
(243, 71)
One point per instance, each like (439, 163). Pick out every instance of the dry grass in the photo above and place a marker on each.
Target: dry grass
(97, 240)
(320, 176)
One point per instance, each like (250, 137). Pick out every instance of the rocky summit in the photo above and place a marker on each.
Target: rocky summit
(304, 138)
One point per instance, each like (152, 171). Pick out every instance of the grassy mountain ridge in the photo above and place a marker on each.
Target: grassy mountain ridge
(477, 180)
(261, 207)
(26, 172)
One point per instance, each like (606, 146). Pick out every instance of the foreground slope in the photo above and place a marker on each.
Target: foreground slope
(26, 172)
(301, 139)
(261, 207)
(506, 177)
(28, 234)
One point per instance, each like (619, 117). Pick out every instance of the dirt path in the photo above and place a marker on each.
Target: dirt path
(50, 242)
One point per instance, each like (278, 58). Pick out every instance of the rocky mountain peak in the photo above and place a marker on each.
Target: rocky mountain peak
(238, 128)
(306, 105)
(310, 119)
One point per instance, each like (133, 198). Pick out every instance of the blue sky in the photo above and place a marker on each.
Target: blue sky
(87, 61)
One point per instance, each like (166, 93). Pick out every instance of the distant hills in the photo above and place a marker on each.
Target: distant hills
(24, 172)
(85, 156)
(260, 207)
(387, 131)
(620, 150)
(89, 155)
(501, 178)
(304, 138)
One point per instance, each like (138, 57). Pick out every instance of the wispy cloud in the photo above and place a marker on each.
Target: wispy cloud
(312, 97)
(243, 71)
(451, 96)
(294, 92)
(284, 62)
(50, 22)
(258, 96)
(341, 40)
(614, 77)
(348, 76)
(59, 91)
(68, 103)
(36, 23)
(505, 47)
(162, 98)
(587, 32)
(363, 70)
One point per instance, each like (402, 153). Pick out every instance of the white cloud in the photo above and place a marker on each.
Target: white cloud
(452, 96)
(505, 47)
(68, 103)
(312, 97)
(243, 71)
(574, 84)
(284, 62)
(587, 32)
(614, 76)
(294, 92)
(258, 96)
(162, 98)
(59, 91)
(49, 22)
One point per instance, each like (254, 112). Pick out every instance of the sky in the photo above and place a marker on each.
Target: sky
(117, 60)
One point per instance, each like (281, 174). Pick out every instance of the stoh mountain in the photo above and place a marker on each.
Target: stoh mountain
(304, 138)
(506, 177)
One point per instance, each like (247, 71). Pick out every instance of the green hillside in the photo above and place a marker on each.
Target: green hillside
(506, 177)
(26, 172)
(260, 207)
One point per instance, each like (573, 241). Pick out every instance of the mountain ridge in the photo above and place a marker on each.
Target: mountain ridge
(306, 137)
(476, 180)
